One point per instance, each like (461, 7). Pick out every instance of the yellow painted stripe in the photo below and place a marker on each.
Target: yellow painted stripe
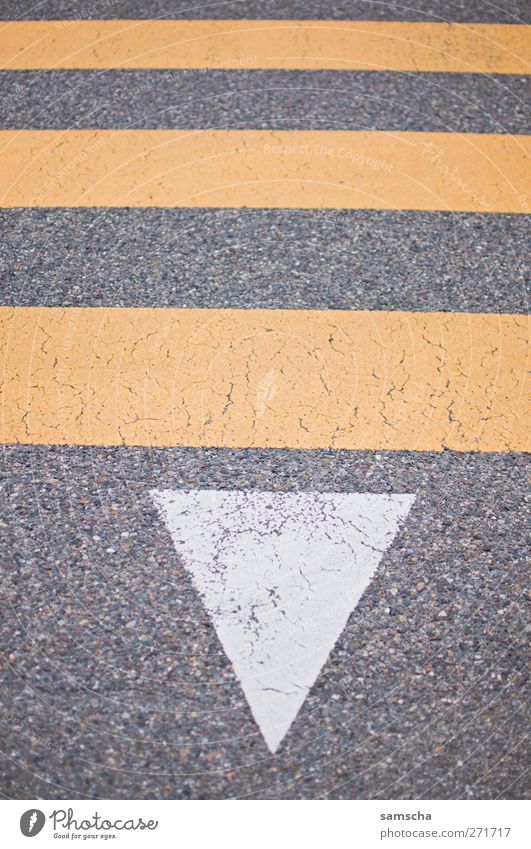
(256, 168)
(264, 378)
(341, 45)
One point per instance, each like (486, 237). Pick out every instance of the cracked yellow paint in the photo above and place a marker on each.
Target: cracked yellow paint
(290, 45)
(257, 168)
(264, 378)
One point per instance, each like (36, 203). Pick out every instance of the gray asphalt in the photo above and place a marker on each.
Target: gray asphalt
(115, 684)
(261, 100)
(480, 11)
(291, 259)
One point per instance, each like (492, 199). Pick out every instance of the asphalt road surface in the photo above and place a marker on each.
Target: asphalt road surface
(252, 304)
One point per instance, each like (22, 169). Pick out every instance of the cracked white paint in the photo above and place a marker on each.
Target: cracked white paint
(279, 574)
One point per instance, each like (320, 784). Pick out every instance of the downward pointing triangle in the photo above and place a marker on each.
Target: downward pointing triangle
(280, 574)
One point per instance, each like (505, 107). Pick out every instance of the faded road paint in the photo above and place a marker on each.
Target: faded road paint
(290, 45)
(279, 574)
(264, 378)
(302, 169)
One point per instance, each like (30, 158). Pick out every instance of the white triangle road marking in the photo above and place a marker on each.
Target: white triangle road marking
(280, 574)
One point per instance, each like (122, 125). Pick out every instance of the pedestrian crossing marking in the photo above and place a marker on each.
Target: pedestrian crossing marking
(279, 574)
(294, 169)
(264, 378)
(269, 44)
